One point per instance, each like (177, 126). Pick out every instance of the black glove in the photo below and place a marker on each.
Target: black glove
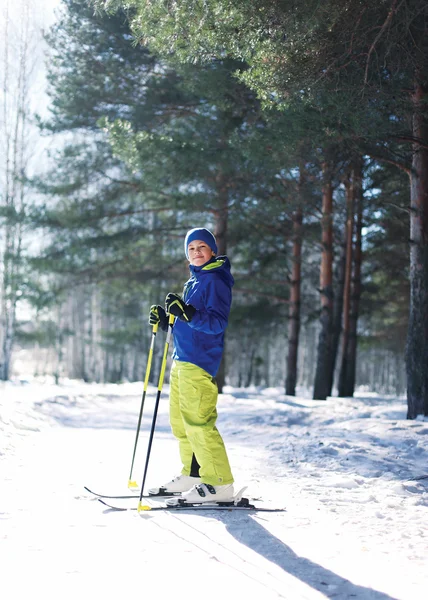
(175, 305)
(158, 316)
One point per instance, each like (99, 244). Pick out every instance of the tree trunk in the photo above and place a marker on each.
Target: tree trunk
(339, 283)
(220, 226)
(250, 368)
(59, 341)
(78, 365)
(324, 368)
(349, 383)
(294, 306)
(417, 337)
(220, 232)
(350, 203)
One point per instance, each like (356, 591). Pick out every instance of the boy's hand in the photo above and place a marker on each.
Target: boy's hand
(158, 315)
(175, 305)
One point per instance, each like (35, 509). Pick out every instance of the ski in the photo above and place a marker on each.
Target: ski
(128, 496)
(242, 505)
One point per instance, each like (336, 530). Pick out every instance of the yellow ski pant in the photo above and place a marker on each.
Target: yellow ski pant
(193, 414)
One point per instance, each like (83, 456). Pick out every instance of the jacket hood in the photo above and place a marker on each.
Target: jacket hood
(217, 264)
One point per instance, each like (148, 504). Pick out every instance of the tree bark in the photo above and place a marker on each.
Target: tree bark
(324, 368)
(356, 281)
(417, 337)
(294, 305)
(350, 203)
(339, 284)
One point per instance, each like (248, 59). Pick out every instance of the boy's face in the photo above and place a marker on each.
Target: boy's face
(199, 253)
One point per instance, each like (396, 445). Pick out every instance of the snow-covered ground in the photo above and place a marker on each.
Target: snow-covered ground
(350, 473)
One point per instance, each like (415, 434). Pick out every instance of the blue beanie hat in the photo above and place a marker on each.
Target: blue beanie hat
(200, 233)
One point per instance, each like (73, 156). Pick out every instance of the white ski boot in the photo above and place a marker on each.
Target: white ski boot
(181, 483)
(204, 493)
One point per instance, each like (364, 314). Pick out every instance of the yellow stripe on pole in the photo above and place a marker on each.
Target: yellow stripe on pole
(149, 360)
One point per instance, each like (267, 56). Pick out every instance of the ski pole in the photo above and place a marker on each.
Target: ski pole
(171, 319)
(133, 484)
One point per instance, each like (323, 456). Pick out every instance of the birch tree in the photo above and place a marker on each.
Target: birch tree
(17, 63)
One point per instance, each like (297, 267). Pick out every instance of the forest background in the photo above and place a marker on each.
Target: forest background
(296, 133)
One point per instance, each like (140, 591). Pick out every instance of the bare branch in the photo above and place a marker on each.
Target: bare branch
(388, 19)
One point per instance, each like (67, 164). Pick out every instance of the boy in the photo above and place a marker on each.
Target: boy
(202, 316)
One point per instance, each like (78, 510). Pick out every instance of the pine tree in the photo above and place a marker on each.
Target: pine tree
(364, 57)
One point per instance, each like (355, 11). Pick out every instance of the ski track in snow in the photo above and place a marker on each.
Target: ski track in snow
(352, 474)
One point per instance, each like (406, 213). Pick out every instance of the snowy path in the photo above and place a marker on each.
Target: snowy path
(353, 528)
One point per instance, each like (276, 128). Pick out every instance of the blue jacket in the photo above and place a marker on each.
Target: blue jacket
(209, 290)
